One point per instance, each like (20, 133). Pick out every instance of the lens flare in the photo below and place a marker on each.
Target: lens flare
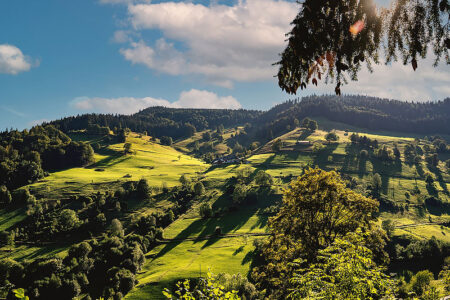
(357, 27)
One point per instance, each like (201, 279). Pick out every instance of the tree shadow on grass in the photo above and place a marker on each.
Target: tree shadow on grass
(439, 178)
(321, 159)
(114, 157)
(232, 221)
(305, 134)
(238, 250)
(386, 169)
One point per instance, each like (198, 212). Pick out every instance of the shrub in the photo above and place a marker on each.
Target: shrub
(143, 189)
(421, 281)
(199, 189)
(206, 210)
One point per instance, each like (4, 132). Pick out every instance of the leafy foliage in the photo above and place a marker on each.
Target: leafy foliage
(317, 209)
(333, 38)
(207, 289)
(344, 270)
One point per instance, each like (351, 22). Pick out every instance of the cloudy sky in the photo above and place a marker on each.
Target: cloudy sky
(60, 58)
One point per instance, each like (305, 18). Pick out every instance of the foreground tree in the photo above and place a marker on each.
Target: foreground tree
(317, 209)
(344, 270)
(331, 39)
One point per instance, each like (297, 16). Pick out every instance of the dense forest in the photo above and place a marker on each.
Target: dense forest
(361, 111)
(366, 112)
(161, 121)
(25, 155)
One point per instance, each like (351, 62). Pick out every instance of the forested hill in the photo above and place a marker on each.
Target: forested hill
(367, 112)
(162, 121)
(380, 114)
(361, 111)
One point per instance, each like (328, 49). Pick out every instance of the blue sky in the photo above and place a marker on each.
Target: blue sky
(60, 58)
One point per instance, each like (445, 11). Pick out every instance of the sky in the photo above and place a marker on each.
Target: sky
(61, 58)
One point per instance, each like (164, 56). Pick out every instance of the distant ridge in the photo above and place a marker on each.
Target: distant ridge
(426, 118)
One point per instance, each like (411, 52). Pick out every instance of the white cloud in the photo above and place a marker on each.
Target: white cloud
(12, 60)
(120, 36)
(223, 43)
(129, 105)
(204, 99)
(398, 81)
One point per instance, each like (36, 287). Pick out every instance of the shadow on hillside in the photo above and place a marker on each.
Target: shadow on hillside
(321, 159)
(305, 134)
(439, 178)
(230, 222)
(114, 157)
(386, 169)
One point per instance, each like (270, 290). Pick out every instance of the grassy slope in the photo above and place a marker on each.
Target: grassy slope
(158, 164)
(183, 259)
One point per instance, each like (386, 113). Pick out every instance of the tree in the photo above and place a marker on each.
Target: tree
(263, 179)
(239, 194)
(143, 189)
(376, 185)
(116, 228)
(5, 195)
(331, 137)
(68, 219)
(206, 210)
(199, 188)
(421, 281)
(312, 125)
(190, 129)
(432, 160)
(332, 39)
(397, 153)
(206, 136)
(277, 145)
(127, 148)
(184, 180)
(305, 122)
(196, 146)
(166, 140)
(317, 208)
(389, 227)
(344, 270)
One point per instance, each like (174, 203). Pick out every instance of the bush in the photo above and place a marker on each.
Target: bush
(199, 189)
(421, 281)
(143, 189)
(166, 140)
(206, 210)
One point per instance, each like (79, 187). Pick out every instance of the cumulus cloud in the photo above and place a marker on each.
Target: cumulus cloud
(129, 105)
(223, 43)
(12, 60)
